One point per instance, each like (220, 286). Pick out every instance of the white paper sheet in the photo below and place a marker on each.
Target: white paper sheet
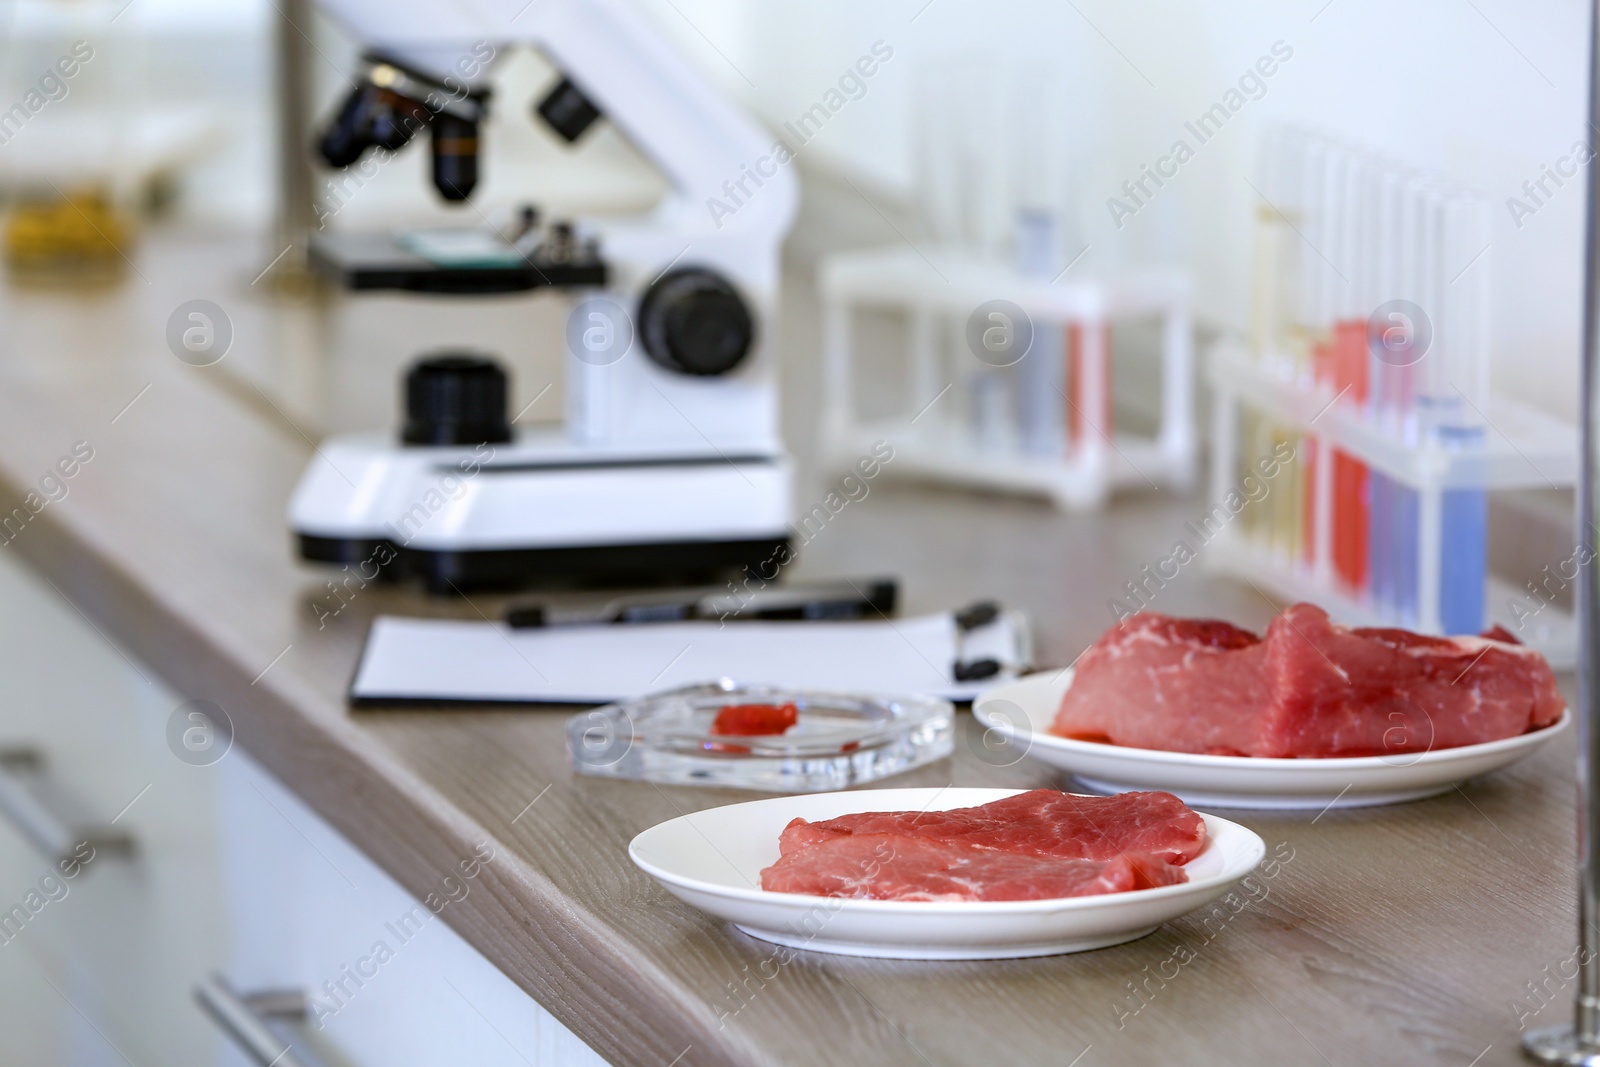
(409, 659)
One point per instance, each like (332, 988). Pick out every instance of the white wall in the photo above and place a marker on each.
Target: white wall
(1483, 90)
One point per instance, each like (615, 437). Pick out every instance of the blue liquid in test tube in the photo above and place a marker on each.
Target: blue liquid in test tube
(1405, 505)
(1458, 420)
(1463, 546)
(1380, 531)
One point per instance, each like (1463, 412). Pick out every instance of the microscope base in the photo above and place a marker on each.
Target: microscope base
(445, 571)
(539, 511)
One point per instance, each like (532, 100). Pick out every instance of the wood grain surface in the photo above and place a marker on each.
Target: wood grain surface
(1395, 935)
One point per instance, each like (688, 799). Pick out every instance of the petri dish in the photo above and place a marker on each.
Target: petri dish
(838, 740)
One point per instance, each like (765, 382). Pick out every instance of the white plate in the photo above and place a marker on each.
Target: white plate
(1024, 710)
(713, 859)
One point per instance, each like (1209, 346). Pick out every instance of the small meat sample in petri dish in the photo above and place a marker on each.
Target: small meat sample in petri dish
(754, 720)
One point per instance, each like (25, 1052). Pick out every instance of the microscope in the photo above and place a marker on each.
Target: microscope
(669, 466)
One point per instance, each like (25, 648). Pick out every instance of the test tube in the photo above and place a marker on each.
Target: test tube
(1041, 376)
(1385, 253)
(1330, 240)
(1470, 271)
(1266, 269)
(1334, 229)
(1462, 343)
(1279, 325)
(1313, 265)
(1420, 220)
(1347, 357)
(1039, 234)
(1316, 170)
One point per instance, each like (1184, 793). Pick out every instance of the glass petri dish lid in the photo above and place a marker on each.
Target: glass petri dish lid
(838, 739)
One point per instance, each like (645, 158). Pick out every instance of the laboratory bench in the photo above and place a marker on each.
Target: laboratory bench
(1423, 933)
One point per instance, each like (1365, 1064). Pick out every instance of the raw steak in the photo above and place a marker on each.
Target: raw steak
(1309, 688)
(1041, 822)
(890, 866)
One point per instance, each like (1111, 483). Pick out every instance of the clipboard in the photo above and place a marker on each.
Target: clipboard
(954, 655)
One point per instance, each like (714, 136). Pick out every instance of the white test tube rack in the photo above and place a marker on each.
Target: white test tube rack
(937, 292)
(1523, 449)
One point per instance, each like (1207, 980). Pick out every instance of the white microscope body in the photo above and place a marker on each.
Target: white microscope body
(670, 462)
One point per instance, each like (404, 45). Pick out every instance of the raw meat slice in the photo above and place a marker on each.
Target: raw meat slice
(1138, 686)
(888, 866)
(1041, 822)
(1310, 688)
(1392, 692)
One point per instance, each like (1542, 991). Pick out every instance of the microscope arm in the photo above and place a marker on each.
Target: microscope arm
(695, 137)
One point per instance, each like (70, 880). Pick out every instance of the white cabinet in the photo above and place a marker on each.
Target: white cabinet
(388, 983)
(101, 968)
(230, 874)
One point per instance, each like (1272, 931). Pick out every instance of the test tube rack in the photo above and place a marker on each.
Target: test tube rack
(1526, 449)
(1370, 354)
(937, 291)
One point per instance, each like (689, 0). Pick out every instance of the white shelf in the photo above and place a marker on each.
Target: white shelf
(1521, 448)
(958, 281)
(938, 290)
(944, 455)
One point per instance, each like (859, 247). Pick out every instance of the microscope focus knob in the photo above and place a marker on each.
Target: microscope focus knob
(455, 398)
(694, 322)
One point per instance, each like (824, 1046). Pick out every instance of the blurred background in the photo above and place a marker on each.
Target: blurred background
(1489, 93)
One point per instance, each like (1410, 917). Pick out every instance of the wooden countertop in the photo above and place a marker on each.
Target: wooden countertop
(1407, 934)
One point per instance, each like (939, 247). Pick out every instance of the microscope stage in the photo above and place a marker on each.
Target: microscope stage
(377, 261)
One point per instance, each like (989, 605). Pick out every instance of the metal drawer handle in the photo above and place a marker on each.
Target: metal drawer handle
(53, 836)
(247, 1019)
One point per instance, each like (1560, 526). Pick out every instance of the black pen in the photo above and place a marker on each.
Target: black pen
(867, 598)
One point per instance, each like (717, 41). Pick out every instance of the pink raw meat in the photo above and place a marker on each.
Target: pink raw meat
(891, 866)
(1310, 688)
(1041, 822)
(1139, 685)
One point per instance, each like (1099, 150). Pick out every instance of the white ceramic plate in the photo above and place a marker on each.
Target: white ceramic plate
(1023, 711)
(713, 859)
